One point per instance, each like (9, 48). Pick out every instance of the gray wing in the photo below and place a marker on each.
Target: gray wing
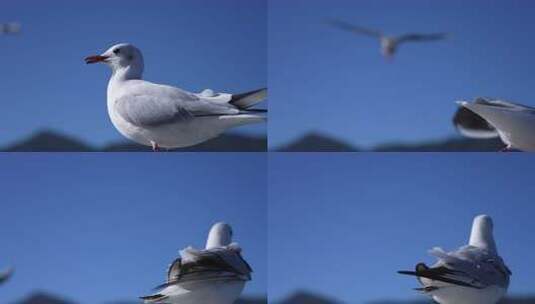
(355, 29)
(151, 111)
(421, 37)
(474, 266)
(205, 265)
(503, 104)
(468, 267)
(472, 125)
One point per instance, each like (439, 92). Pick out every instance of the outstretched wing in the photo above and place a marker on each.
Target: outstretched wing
(421, 37)
(354, 29)
(10, 28)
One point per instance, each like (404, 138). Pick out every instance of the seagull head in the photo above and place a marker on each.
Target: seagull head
(481, 235)
(123, 56)
(220, 235)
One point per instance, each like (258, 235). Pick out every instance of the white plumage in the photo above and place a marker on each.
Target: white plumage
(168, 117)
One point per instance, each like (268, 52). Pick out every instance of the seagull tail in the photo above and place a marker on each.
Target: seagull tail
(246, 100)
(153, 298)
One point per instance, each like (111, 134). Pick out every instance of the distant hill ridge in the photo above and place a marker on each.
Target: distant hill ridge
(41, 297)
(305, 297)
(51, 141)
(299, 297)
(317, 142)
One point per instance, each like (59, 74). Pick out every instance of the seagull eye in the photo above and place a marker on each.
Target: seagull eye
(116, 51)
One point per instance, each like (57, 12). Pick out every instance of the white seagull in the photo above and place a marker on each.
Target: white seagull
(474, 274)
(6, 274)
(389, 44)
(163, 116)
(214, 275)
(487, 118)
(10, 28)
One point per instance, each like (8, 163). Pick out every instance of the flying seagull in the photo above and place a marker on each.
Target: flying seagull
(9, 28)
(513, 123)
(163, 116)
(215, 275)
(389, 44)
(5, 275)
(473, 274)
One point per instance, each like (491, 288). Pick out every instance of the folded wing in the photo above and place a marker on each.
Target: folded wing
(468, 267)
(204, 265)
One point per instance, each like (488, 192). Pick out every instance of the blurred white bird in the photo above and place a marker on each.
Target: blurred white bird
(6, 274)
(164, 116)
(214, 275)
(487, 118)
(389, 44)
(474, 274)
(10, 28)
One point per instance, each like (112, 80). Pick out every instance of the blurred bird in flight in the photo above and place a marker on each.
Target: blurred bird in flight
(389, 44)
(9, 28)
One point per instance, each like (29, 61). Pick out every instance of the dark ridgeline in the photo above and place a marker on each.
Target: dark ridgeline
(49, 141)
(316, 142)
(46, 298)
(304, 297)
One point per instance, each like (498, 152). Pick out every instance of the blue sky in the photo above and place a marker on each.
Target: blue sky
(330, 81)
(344, 225)
(100, 229)
(193, 44)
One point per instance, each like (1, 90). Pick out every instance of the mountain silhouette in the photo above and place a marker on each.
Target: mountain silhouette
(40, 297)
(51, 141)
(317, 142)
(306, 297)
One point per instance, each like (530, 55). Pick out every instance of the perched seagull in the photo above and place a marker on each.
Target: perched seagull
(389, 44)
(9, 28)
(5, 275)
(474, 274)
(486, 118)
(214, 275)
(163, 116)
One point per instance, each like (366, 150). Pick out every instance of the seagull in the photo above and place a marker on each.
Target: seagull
(474, 274)
(513, 123)
(389, 44)
(9, 28)
(214, 275)
(5, 275)
(163, 116)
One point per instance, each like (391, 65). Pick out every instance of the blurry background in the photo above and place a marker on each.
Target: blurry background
(106, 231)
(340, 228)
(52, 100)
(334, 91)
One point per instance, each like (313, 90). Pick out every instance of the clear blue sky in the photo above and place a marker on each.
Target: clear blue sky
(327, 80)
(99, 229)
(344, 225)
(193, 44)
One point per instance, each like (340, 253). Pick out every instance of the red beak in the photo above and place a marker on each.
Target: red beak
(95, 59)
